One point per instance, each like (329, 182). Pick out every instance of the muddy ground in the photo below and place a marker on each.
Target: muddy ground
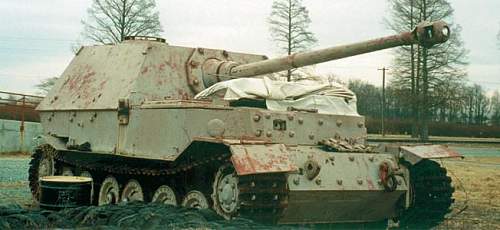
(476, 180)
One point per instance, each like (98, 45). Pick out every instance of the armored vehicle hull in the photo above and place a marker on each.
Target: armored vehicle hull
(127, 115)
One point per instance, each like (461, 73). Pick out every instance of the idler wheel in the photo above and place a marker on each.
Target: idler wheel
(109, 192)
(88, 175)
(41, 165)
(226, 192)
(165, 195)
(132, 192)
(195, 199)
(46, 167)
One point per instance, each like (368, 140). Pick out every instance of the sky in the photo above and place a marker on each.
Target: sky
(36, 35)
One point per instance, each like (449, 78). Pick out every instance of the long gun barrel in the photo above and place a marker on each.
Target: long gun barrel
(425, 34)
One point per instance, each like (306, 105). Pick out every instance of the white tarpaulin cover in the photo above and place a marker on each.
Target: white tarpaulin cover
(329, 98)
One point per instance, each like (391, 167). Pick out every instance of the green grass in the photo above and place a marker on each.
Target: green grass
(477, 151)
(436, 138)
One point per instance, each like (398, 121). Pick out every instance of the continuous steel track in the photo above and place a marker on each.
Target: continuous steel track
(262, 197)
(431, 195)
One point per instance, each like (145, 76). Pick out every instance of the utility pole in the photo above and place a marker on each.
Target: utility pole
(21, 128)
(383, 99)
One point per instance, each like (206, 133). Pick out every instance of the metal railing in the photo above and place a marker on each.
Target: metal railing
(21, 107)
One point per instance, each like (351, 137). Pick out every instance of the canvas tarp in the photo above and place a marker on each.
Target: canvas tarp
(328, 98)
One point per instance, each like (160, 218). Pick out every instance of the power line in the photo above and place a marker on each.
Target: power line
(3, 74)
(486, 82)
(34, 49)
(354, 67)
(10, 38)
(23, 76)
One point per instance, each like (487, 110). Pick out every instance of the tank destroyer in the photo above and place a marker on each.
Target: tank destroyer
(208, 128)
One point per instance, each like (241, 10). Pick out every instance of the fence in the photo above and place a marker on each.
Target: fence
(21, 107)
(14, 140)
(18, 122)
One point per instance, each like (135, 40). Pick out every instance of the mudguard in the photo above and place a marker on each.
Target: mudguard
(416, 153)
(55, 142)
(251, 159)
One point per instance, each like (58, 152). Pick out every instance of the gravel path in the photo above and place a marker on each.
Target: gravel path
(14, 187)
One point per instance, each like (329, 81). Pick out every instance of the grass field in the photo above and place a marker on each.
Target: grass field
(442, 139)
(477, 193)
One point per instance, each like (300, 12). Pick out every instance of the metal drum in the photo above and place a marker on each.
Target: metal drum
(59, 192)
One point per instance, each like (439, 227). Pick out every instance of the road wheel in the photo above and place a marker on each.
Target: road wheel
(88, 175)
(195, 199)
(66, 171)
(109, 192)
(165, 195)
(132, 192)
(226, 192)
(42, 164)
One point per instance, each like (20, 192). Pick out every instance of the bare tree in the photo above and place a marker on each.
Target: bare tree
(367, 95)
(476, 105)
(46, 85)
(495, 108)
(423, 71)
(289, 25)
(334, 78)
(110, 21)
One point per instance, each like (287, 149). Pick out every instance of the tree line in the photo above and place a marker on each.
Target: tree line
(460, 104)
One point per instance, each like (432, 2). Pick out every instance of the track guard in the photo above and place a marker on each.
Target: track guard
(251, 159)
(416, 153)
(55, 142)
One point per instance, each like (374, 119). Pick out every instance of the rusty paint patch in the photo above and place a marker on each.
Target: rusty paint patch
(370, 184)
(257, 159)
(161, 67)
(102, 84)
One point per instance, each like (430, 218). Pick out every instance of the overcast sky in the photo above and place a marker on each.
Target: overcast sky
(35, 35)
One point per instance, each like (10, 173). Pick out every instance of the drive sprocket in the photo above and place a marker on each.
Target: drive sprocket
(432, 192)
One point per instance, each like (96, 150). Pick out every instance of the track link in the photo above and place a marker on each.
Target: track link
(263, 197)
(432, 195)
(40, 154)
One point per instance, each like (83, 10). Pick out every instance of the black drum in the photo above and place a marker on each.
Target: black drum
(59, 192)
